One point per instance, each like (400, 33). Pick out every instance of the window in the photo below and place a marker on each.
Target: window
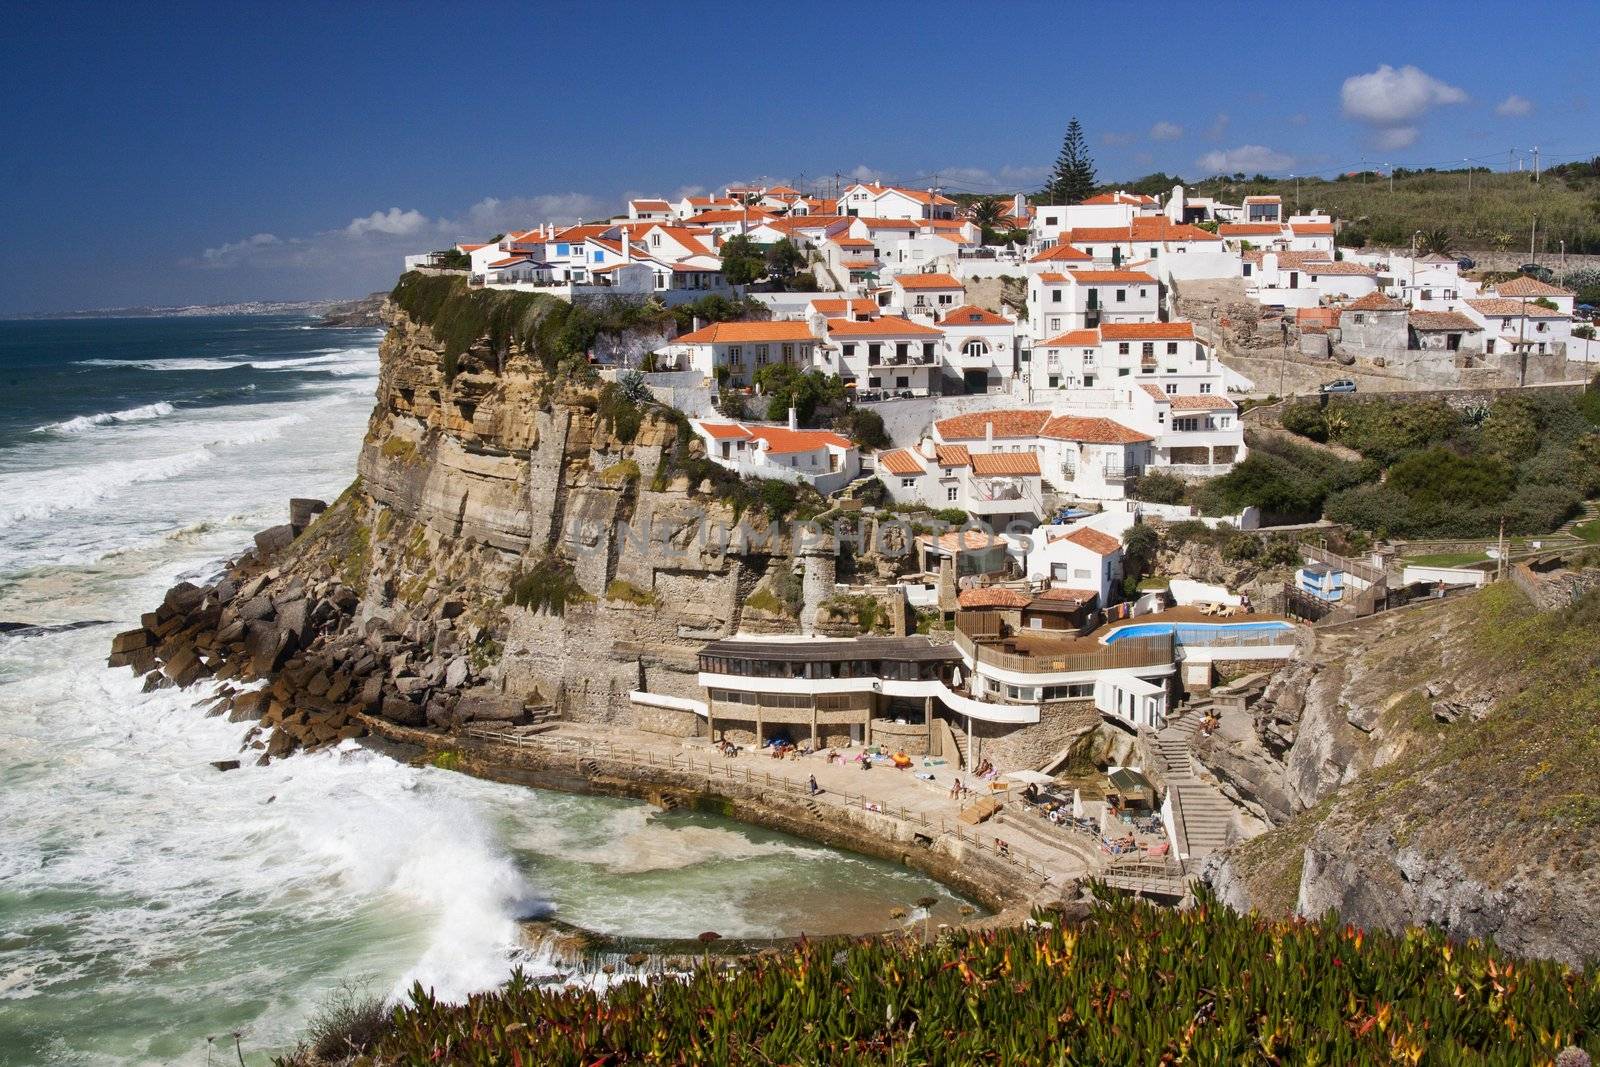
(1205, 387)
(927, 350)
(1050, 220)
(1122, 372)
(1122, 348)
(788, 353)
(1172, 348)
(1147, 350)
(874, 382)
(735, 354)
(974, 349)
(1488, 347)
(761, 355)
(951, 493)
(1055, 296)
(1172, 388)
(1361, 317)
(901, 381)
(1088, 381)
(1122, 296)
(1161, 418)
(874, 354)
(1143, 293)
(1055, 381)
(1186, 425)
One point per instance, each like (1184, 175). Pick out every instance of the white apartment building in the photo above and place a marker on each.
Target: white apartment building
(1083, 299)
(820, 458)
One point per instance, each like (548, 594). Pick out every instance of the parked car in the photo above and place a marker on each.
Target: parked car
(1466, 263)
(1533, 270)
(1339, 385)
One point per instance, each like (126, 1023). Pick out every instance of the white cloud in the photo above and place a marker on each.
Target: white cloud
(1218, 128)
(1118, 138)
(1397, 137)
(1250, 158)
(1166, 131)
(1392, 101)
(222, 253)
(1514, 106)
(394, 221)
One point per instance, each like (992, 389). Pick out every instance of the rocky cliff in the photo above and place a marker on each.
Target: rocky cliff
(520, 539)
(1438, 765)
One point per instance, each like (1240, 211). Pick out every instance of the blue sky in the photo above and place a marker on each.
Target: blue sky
(165, 154)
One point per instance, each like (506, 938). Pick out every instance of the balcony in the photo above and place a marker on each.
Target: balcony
(1064, 655)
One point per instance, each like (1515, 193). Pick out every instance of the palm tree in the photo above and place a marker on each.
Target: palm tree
(987, 213)
(1436, 240)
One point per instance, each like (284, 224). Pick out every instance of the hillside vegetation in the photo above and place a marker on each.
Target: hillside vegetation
(1131, 984)
(1424, 469)
(1497, 214)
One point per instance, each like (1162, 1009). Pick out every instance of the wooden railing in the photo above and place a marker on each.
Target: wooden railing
(1153, 651)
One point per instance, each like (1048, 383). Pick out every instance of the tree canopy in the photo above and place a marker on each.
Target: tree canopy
(1072, 180)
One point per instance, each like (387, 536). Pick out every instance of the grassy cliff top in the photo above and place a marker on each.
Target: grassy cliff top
(1131, 984)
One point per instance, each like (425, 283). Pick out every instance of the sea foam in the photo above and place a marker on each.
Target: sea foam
(107, 418)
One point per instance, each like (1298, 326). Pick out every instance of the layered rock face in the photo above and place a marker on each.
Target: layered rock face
(401, 599)
(1430, 766)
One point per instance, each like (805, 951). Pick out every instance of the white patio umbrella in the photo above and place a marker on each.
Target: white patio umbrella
(1077, 804)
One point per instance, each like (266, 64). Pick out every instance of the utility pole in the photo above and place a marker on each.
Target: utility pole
(1536, 164)
(1468, 162)
(1522, 346)
(1391, 176)
(1533, 236)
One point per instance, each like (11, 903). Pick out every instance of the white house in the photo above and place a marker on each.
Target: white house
(869, 199)
(979, 347)
(1247, 235)
(923, 297)
(1077, 557)
(1263, 209)
(1083, 299)
(736, 350)
(889, 353)
(1092, 457)
(649, 210)
(819, 458)
(1311, 235)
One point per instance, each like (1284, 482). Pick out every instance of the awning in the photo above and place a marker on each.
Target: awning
(1126, 781)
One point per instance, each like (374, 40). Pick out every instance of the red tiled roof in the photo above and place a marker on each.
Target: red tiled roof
(1440, 320)
(751, 214)
(1071, 596)
(992, 596)
(1317, 268)
(1094, 431)
(952, 455)
(1114, 234)
(1511, 309)
(650, 205)
(729, 332)
(725, 431)
(997, 463)
(1120, 197)
(1375, 302)
(974, 426)
(927, 281)
(1111, 276)
(840, 305)
(1147, 331)
(887, 326)
(901, 462)
(965, 540)
(1200, 402)
(970, 315)
(1100, 544)
(1250, 229)
(1074, 339)
(1161, 228)
(1311, 228)
(890, 224)
(781, 440)
(1526, 286)
(509, 261)
(1060, 253)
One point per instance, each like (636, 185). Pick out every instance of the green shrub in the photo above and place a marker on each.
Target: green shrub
(1305, 419)
(1134, 983)
(619, 413)
(1159, 488)
(954, 516)
(865, 427)
(1441, 475)
(548, 586)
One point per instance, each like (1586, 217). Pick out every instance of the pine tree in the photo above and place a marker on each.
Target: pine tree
(1073, 179)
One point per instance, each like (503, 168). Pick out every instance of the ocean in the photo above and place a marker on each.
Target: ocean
(148, 902)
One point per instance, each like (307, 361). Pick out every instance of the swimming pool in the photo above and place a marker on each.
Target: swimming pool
(1208, 634)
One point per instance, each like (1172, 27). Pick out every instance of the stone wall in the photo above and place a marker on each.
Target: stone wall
(1030, 746)
(910, 738)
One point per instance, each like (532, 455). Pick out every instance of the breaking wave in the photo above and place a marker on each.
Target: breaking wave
(107, 418)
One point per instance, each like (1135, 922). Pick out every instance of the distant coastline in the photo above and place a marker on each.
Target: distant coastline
(249, 307)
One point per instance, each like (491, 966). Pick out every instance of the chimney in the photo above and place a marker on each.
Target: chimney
(794, 420)
(1019, 205)
(929, 450)
(699, 324)
(988, 432)
(627, 247)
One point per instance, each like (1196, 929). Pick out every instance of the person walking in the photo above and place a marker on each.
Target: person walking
(811, 784)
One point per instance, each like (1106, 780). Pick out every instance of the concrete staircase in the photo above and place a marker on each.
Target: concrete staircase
(1201, 813)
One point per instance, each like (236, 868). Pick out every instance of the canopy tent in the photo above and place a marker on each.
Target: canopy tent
(1130, 783)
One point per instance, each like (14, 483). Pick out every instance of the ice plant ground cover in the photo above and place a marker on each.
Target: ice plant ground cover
(1132, 984)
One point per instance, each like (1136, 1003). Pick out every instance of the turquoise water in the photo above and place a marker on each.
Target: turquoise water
(1203, 633)
(148, 901)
